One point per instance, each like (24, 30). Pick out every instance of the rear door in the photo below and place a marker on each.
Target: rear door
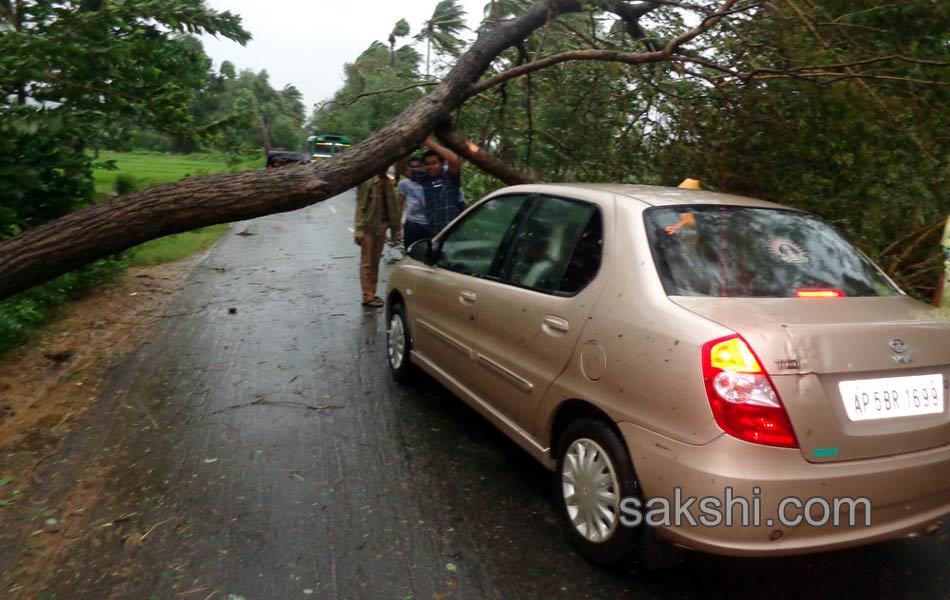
(531, 315)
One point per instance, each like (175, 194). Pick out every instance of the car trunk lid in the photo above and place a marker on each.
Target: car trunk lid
(810, 346)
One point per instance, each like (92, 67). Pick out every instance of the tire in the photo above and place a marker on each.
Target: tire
(597, 538)
(399, 344)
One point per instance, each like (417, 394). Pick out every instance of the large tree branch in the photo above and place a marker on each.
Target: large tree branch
(632, 58)
(836, 71)
(477, 156)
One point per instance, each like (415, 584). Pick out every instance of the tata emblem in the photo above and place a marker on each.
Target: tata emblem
(898, 346)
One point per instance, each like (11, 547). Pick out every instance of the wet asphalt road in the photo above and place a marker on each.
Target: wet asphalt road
(257, 448)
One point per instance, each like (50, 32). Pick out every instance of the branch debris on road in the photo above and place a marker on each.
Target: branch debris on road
(262, 401)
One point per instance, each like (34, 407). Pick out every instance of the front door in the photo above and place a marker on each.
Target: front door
(447, 295)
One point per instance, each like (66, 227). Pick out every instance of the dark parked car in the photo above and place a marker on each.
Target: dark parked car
(280, 158)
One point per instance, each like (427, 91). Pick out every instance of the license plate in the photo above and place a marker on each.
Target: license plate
(868, 399)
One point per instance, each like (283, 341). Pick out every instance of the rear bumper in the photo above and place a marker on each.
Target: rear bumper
(906, 494)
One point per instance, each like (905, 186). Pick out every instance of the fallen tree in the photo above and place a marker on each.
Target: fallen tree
(41, 253)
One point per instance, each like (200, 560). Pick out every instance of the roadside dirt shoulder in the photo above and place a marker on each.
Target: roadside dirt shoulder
(48, 386)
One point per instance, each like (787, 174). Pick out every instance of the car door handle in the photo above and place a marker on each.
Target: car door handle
(555, 325)
(467, 297)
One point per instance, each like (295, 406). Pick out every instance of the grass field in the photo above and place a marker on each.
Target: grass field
(152, 168)
(144, 169)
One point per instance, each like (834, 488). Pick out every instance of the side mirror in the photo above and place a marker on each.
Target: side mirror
(421, 250)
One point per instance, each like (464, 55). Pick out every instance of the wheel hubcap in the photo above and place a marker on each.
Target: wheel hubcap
(397, 342)
(591, 490)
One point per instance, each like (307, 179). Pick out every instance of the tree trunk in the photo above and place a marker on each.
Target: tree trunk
(265, 135)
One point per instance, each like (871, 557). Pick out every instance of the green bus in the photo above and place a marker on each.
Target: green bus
(325, 145)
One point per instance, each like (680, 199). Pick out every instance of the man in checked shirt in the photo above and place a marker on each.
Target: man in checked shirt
(443, 197)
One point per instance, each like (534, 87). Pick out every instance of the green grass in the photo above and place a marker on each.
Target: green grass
(175, 247)
(153, 168)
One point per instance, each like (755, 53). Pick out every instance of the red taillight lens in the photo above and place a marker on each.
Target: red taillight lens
(819, 294)
(741, 394)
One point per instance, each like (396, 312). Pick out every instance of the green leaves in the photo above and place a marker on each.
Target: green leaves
(75, 73)
(441, 32)
(121, 59)
(400, 29)
(377, 69)
(237, 110)
(860, 151)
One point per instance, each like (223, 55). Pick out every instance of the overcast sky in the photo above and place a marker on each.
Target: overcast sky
(306, 42)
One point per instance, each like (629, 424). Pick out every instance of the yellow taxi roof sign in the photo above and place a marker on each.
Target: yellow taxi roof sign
(689, 184)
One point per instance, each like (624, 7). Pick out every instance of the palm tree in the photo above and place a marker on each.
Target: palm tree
(442, 30)
(400, 29)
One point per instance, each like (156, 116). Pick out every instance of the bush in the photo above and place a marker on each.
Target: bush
(44, 175)
(125, 184)
(23, 314)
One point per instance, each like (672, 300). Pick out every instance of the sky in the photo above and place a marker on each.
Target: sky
(306, 42)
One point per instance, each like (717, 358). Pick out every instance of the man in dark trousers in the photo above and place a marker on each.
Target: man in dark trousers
(376, 211)
(442, 186)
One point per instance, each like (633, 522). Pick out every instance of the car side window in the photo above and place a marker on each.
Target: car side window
(544, 248)
(585, 261)
(471, 245)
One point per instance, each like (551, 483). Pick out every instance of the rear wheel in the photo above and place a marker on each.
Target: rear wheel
(595, 475)
(398, 344)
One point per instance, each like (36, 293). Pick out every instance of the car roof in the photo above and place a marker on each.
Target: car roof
(652, 195)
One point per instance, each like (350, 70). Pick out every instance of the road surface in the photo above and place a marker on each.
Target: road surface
(256, 448)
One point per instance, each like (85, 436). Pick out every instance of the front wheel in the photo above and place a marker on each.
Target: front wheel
(398, 344)
(595, 475)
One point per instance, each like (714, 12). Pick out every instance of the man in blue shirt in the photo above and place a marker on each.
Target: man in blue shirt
(413, 198)
(442, 187)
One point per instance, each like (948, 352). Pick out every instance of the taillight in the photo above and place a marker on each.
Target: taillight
(741, 394)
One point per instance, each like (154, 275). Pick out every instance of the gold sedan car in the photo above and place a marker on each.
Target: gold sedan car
(701, 370)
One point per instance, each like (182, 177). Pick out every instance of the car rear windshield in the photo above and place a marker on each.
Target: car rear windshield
(735, 251)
